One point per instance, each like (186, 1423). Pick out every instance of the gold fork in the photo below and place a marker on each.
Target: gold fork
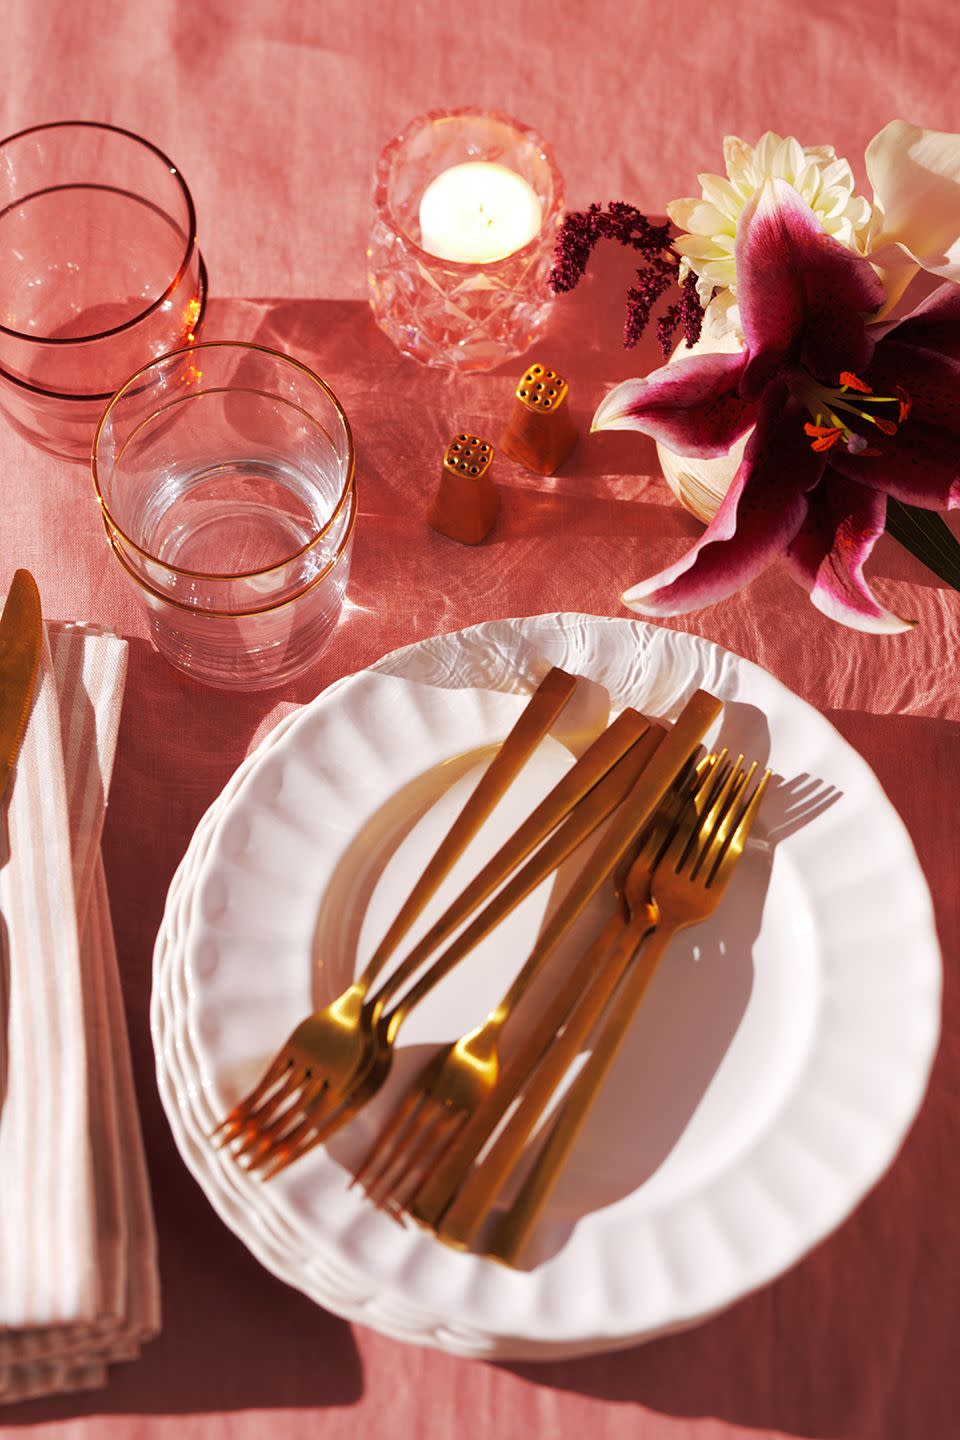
(461, 1075)
(331, 1041)
(687, 886)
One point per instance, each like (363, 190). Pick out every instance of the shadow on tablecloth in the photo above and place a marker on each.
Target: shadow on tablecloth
(860, 1339)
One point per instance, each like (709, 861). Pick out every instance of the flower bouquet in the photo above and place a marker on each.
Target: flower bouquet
(809, 357)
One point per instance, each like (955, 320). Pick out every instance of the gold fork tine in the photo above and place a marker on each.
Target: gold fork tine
(723, 821)
(267, 1135)
(731, 849)
(234, 1122)
(432, 1132)
(273, 1106)
(692, 837)
(320, 1119)
(396, 1128)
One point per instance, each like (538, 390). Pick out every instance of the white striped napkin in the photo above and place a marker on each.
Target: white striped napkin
(78, 1276)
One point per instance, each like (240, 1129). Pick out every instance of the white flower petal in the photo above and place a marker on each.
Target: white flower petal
(700, 217)
(737, 157)
(720, 272)
(765, 153)
(839, 175)
(841, 230)
(807, 182)
(705, 289)
(859, 211)
(831, 205)
(697, 247)
(678, 210)
(915, 175)
(790, 159)
(721, 316)
(721, 193)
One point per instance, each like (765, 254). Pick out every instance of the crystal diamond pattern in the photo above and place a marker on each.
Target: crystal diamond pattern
(446, 314)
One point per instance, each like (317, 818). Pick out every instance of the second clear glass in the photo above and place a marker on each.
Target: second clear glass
(225, 473)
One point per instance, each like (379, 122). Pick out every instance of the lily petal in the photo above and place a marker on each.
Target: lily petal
(759, 516)
(692, 405)
(920, 465)
(930, 379)
(802, 295)
(935, 324)
(915, 174)
(828, 553)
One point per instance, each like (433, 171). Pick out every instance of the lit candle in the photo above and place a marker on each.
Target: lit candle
(478, 212)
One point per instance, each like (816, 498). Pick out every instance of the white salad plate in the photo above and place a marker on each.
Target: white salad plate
(765, 1085)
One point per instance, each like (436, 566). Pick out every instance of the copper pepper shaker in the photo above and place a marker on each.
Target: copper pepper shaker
(466, 504)
(541, 432)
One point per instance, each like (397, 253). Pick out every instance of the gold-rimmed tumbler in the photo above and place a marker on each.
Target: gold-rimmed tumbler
(99, 273)
(225, 475)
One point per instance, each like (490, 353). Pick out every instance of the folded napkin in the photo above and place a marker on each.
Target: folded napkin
(78, 1277)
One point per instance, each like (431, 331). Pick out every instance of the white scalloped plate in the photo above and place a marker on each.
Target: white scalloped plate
(766, 1084)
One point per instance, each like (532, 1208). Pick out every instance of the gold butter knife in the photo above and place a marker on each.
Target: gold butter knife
(21, 640)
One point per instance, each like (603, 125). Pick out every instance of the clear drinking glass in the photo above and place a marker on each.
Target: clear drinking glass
(459, 315)
(99, 272)
(225, 474)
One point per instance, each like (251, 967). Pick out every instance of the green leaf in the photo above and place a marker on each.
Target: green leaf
(927, 536)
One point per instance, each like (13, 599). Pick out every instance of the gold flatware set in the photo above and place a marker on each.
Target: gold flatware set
(673, 831)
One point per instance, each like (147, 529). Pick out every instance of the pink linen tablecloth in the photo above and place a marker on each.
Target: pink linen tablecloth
(276, 112)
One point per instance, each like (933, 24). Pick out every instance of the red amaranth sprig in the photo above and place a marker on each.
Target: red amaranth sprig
(685, 314)
(577, 238)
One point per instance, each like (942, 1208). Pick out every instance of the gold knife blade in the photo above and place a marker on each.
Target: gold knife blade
(21, 638)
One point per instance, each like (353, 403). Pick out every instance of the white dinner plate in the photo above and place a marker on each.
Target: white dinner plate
(765, 1085)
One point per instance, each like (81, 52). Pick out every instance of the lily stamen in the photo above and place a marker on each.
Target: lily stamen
(849, 381)
(852, 397)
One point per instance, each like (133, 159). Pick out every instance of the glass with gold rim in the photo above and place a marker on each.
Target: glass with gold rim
(99, 272)
(225, 475)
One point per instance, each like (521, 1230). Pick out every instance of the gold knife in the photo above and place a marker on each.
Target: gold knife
(21, 639)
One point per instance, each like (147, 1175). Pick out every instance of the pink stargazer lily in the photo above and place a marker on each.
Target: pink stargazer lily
(842, 416)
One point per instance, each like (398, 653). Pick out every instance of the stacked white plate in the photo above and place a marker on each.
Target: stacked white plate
(766, 1084)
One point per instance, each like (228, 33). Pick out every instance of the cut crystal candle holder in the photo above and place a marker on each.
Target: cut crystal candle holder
(459, 315)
